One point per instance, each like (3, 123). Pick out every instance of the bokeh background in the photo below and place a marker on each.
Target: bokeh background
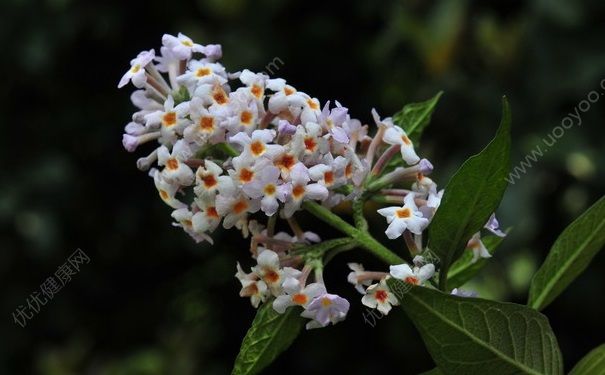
(153, 302)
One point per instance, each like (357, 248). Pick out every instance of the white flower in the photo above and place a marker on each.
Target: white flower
(326, 309)
(175, 170)
(181, 46)
(252, 287)
(310, 110)
(308, 140)
(213, 93)
(255, 146)
(206, 125)
(136, 73)
(200, 72)
(184, 220)
(266, 185)
(402, 218)
(172, 120)
(243, 112)
(353, 277)
(207, 218)
(395, 135)
(269, 270)
(379, 296)
(296, 295)
(415, 276)
(478, 248)
(235, 208)
(166, 190)
(301, 189)
(327, 172)
(207, 178)
(284, 96)
(255, 82)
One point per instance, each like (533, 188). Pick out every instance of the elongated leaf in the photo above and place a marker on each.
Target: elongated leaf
(592, 364)
(464, 269)
(569, 256)
(271, 333)
(414, 117)
(476, 336)
(470, 197)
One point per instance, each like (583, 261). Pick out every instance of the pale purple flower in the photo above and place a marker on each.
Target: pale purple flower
(325, 309)
(494, 226)
(301, 189)
(266, 185)
(136, 73)
(333, 120)
(296, 294)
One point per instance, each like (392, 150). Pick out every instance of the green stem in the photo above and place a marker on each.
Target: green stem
(363, 238)
(360, 221)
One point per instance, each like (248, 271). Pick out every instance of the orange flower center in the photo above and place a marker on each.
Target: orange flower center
(310, 144)
(288, 90)
(209, 181)
(406, 140)
(270, 189)
(169, 119)
(240, 207)
(258, 148)
(172, 164)
(298, 191)
(349, 170)
(246, 175)
(312, 104)
(257, 91)
(211, 212)
(329, 177)
(271, 276)
(207, 123)
(403, 213)
(201, 72)
(164, 195)
(412, 280)
(286, 161)
(299, 299)
(381, 295)
(246, 117)
(219, 95)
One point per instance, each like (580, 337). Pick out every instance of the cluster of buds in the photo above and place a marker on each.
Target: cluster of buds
(233, 149)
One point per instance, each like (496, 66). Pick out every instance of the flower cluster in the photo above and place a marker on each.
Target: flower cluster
(233, 148)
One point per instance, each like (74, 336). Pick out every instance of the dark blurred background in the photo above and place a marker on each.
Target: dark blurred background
(151, 301)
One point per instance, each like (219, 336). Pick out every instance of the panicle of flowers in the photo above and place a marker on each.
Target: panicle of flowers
(230, 148)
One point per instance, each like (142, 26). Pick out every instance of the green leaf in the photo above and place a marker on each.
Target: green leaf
(569, 256)
(477, 336)
(414, 117)
(271, 334)
(464, 269)
(470, 197)
(592, 364)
